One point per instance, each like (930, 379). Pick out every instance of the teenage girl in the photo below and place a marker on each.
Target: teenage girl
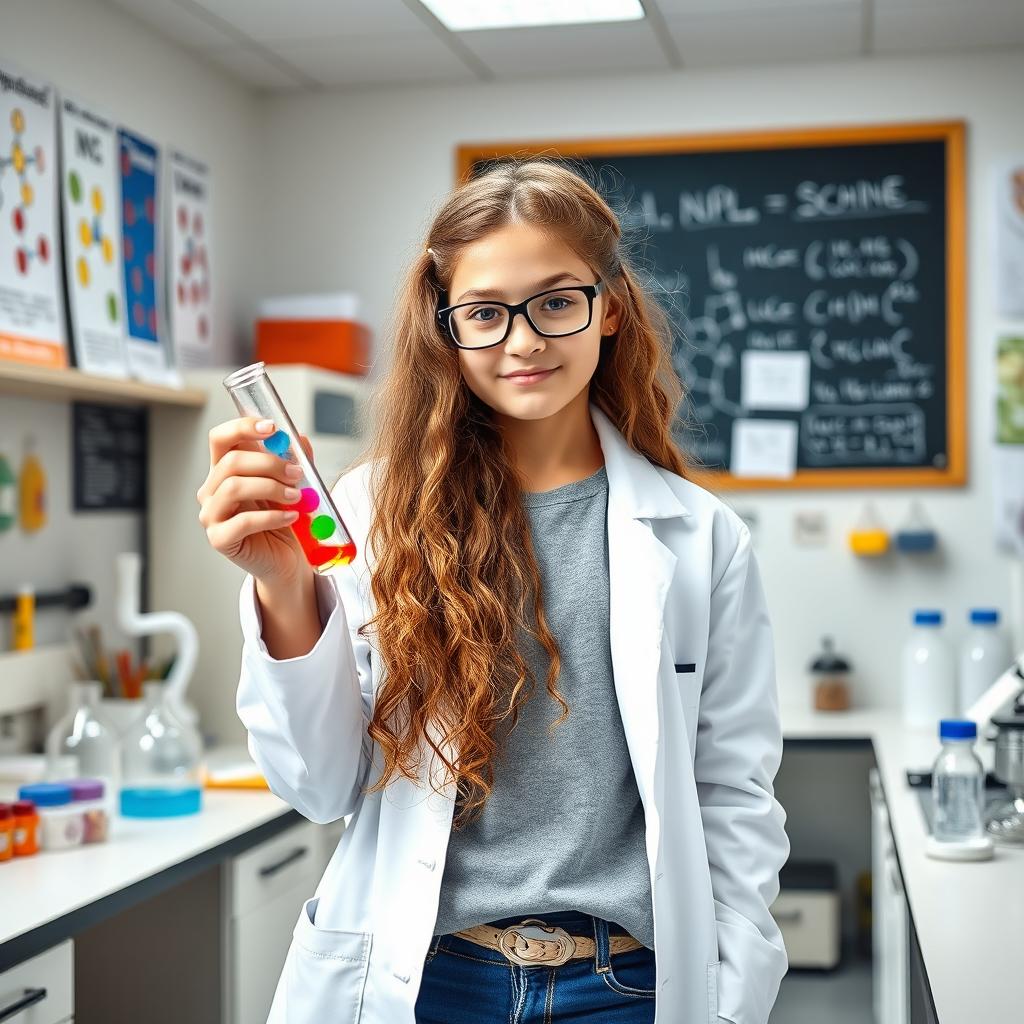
(603, 846)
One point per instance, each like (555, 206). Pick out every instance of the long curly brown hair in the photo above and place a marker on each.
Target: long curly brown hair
(454, 576)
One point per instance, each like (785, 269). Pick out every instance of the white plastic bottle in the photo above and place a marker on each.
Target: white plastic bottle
(984, 655)
(929, 673)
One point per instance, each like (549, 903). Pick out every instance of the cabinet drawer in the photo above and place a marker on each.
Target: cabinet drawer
(263, 873)
(45, 984)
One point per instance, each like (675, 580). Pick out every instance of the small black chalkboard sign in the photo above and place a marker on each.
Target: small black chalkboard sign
(108, 445)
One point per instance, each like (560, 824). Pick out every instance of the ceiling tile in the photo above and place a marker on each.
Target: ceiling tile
(902, 26)
(763, 37)
(375, 60)
(274, 20)
(685, 8)
(253, 69)
(567, 49)
(183, 25)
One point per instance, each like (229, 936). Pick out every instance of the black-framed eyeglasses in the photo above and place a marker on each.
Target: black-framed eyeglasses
(554, 313)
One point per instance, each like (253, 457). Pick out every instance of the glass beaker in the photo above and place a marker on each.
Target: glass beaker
(86, 734)
(319, 528)
(161, 762)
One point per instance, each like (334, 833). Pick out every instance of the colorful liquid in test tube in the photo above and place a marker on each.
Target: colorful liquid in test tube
(319, 528)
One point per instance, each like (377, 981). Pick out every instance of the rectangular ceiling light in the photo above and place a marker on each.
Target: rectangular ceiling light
(467, 15)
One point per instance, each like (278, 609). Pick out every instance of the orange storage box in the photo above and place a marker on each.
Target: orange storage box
(340, 345)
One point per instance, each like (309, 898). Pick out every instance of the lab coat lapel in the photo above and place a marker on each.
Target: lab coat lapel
(640, 570)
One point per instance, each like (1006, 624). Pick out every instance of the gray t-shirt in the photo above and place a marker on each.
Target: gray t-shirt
(563, 829)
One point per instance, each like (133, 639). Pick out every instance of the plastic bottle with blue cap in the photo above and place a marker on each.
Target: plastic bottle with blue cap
(985, 655)
(958, 795)
(928, 672)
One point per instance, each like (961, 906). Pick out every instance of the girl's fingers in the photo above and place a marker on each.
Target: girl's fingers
(245, 463)
(227, 537)
(232, 433)
(238, 490)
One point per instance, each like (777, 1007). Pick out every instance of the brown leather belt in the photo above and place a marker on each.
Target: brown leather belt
(533, 942)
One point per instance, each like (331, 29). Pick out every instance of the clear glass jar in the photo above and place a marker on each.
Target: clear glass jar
(86, 734)
(161, 762)
(958, 784)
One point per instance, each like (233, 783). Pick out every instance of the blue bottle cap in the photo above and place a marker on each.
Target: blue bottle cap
(927, 617)
(46, 794)
(984, 616)
(957, 729)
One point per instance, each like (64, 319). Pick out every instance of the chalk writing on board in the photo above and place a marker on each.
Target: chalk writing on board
(835, 252)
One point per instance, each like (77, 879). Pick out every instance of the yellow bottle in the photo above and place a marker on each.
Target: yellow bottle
(32, 491)
(24, 619)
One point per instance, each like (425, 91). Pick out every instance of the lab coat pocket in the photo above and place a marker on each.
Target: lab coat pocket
(325, 972)
(713, 971)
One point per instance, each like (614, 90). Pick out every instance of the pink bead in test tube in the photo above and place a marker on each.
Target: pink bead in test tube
(319, 528)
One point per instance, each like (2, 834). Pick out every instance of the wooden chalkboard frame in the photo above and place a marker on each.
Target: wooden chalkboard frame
(952, 134)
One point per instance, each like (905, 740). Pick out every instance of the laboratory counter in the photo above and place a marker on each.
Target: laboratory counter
(968, 916)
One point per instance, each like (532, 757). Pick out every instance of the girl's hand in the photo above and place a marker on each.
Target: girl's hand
(239, 503)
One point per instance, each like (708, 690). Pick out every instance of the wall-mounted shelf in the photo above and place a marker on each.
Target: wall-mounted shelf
(67, 384)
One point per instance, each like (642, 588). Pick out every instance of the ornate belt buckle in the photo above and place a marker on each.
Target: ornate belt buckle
(556, 945)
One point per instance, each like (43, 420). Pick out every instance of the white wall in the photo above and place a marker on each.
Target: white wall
(98, 54)
(352, 182)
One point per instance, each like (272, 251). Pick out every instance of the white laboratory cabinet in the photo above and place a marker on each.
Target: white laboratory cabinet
(184, 573)
(266, 887)
(40, 990)
(890, 918)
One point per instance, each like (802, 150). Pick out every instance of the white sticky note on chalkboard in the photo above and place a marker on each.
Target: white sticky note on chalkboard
(775, 380)
(763, 448)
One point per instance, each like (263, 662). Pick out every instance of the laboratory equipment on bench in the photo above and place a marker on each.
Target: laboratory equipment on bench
(136, 623)
(928, 673)
(319, 529)
(831, 672)
(984, 655)
(958, 786)
(161, 761)
(1005, 821)
(86, 734)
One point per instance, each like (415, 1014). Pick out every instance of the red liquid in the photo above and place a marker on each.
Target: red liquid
(321, 556)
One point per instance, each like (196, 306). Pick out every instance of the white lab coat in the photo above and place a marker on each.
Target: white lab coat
(693, 660)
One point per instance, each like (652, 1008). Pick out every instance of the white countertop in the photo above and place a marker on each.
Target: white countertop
(969, 916)
(49, 885)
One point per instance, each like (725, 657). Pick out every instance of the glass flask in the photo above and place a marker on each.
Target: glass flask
(161, 762)
(319, 528)
(86, 734)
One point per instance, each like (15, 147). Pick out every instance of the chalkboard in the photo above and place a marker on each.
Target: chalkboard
(814, 280)
(108, 445)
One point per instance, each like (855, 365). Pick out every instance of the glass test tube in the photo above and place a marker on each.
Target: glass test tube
(319, 528)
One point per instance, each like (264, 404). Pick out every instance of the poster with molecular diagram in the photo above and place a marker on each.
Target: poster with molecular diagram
(188, 271)
(90, 187)
(139, 164)
(31, 306)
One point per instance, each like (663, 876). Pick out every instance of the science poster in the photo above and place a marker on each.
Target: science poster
(90, 193)
(139, 164)
(31, 304)
(188, 270)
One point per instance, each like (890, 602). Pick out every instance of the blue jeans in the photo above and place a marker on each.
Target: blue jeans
(464, 983)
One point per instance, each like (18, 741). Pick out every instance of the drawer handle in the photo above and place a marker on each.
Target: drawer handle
(30, 998)
(273, 869)
(788, 916)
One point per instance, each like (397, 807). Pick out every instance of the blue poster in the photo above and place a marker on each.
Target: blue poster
(139, 164)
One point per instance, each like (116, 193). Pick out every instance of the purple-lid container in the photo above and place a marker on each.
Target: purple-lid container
(86, 789)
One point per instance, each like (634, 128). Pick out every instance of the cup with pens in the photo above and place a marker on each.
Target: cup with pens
(121, 677)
